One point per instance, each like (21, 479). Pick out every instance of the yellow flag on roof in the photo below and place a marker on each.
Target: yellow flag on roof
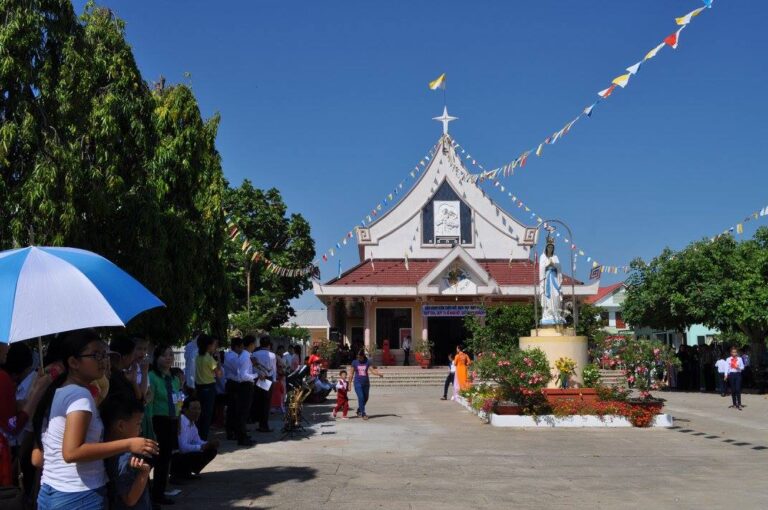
(439, 83)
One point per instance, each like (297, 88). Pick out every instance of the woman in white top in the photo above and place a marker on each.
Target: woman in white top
(69, 430)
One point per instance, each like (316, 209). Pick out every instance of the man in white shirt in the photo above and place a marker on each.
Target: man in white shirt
(733, 376)
(194, 453)
(265, 363)
(190, 355)
(407, 350)
(231, 361)
(722, 368)
(288, 357)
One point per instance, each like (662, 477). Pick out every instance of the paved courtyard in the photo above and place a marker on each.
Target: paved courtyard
(419, 452)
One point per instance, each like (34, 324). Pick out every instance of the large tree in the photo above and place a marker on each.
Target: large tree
(284, 239)
(90, 157)
(722, 284)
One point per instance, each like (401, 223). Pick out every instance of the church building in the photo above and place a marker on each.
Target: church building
(445, 250)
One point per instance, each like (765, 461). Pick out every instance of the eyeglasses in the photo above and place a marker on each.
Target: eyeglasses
(98, 356)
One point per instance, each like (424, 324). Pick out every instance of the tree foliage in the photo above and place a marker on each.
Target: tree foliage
(91, 156)
(284, 239)
(722, 284)
(501, 329)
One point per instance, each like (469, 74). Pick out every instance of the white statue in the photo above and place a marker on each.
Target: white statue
(550, 284)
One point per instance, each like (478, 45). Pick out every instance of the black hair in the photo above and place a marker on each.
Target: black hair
(297, 349)
(19, 358)
(187, 401)
(279, 348)
(123, 345)
(235, 342)
(54, 352)
(176, 371)
(156, 354)
(203, 342)
(265, 342)
(362, 353)
(71, 344)
(115, 408)
(248, 340)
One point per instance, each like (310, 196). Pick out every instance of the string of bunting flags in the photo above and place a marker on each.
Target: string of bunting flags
(235, 234)
(621, 81)
(387, 201)
(506, 170)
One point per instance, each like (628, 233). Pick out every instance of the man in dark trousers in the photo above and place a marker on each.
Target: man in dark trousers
(265, 364)
(407, 350)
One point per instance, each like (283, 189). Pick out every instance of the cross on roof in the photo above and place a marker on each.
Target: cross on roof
(445, 119)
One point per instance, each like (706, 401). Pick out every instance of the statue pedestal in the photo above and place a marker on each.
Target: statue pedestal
(558, 342)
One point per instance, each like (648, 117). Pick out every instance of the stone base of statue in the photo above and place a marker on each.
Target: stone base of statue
(557, 341)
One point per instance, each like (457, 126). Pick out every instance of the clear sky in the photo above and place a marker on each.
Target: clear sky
(328, 102)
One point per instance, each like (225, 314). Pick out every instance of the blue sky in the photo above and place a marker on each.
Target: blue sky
(328, 101)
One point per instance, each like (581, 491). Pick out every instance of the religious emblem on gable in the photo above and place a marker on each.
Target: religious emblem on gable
(529, 238)
(447, 218)
(457, 278)
(363, 235)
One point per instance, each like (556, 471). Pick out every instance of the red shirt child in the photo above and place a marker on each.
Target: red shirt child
(342, 399)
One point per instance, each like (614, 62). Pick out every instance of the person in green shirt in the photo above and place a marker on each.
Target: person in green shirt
(166, 391)
(206, 370)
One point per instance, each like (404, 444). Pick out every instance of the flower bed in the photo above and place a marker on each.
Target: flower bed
(573, 413)
(514, 393)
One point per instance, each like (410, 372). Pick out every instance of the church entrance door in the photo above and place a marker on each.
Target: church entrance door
(446, 333)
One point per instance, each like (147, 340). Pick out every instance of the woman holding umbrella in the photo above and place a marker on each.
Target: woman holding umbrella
(73, 469)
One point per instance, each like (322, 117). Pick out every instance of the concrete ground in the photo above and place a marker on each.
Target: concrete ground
(418, 452)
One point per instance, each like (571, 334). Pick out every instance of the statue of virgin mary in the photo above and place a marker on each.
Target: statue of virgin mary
(550, 283)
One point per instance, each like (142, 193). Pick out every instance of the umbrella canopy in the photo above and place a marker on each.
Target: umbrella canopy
(50, 290)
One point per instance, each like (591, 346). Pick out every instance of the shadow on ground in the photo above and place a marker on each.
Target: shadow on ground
(238, 488)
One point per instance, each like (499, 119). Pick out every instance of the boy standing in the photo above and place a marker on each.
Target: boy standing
(128, 474)
(722, 368)
(342, 397)
(733, 376)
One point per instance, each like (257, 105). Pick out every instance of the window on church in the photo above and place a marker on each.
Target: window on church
(389, 321)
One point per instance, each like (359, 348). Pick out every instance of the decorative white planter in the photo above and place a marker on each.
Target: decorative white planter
(550, 421)
(578, 421)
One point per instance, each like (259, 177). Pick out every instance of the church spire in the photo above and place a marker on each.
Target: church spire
(445, 119)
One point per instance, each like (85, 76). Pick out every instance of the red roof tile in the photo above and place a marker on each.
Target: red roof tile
(603, 292)
(393, 272)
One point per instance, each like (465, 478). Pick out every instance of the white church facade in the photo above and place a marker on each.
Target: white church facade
(445, 250)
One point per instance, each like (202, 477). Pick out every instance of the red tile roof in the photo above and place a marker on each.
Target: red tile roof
(603, 292)
(393, 272)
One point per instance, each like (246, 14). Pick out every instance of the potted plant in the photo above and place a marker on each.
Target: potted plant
(423, 352)
(566, 367)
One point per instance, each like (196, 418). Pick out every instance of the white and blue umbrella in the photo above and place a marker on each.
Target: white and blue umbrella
(51, 290)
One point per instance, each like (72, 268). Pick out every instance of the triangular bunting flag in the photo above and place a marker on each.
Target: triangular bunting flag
(674, 39)
(622, 80)
(538, 151)
(653, 52)
(588, 109)
(607, 92)
(635, 68)
(684, 20)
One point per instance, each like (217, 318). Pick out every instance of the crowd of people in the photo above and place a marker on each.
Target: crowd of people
(112, 425)
(713, 368)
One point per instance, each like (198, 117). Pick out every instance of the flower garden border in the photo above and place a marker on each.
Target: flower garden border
(662, 420)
